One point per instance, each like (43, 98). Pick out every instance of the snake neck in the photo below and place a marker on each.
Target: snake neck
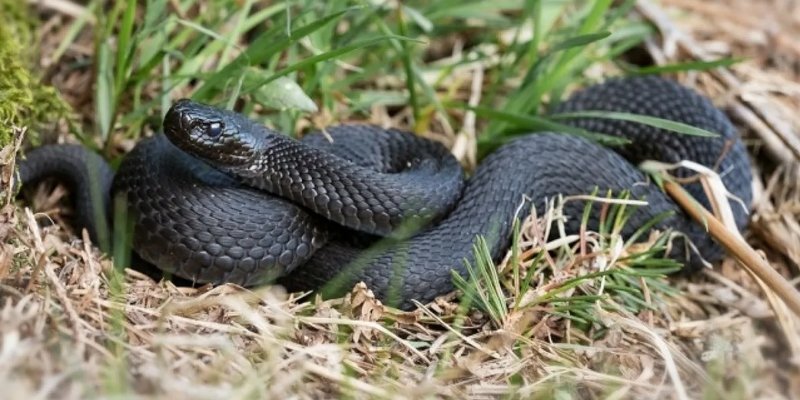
(380, 203)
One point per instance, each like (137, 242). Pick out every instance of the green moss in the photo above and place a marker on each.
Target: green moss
(24, 100)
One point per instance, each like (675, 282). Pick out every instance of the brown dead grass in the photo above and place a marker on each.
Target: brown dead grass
(64, 333)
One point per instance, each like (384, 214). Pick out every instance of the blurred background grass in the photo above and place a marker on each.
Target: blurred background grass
(284, 61)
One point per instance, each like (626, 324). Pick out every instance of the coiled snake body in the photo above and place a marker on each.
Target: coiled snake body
(219, 198)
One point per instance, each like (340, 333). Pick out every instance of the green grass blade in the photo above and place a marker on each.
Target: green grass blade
(576, 41)
(104, 92)
(405, 55)
(536, 123)
(125, 45)
(673, 126)
(206, 31)
(580, 41)
(684, 66)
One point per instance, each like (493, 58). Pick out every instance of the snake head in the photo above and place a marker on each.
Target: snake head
(220, 137)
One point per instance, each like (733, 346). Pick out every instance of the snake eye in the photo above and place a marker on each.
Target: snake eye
(214, 129)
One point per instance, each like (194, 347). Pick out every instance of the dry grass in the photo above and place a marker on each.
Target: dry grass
(73, 327)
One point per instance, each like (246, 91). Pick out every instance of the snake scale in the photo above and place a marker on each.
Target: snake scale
(220, 198)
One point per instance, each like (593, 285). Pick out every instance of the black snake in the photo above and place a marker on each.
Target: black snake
(362, 203)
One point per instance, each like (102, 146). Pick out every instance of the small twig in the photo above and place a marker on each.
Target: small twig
(736, 246)
(346, 380)
(72, 315)
(69, 8)
(364, 324)
(454, 331)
